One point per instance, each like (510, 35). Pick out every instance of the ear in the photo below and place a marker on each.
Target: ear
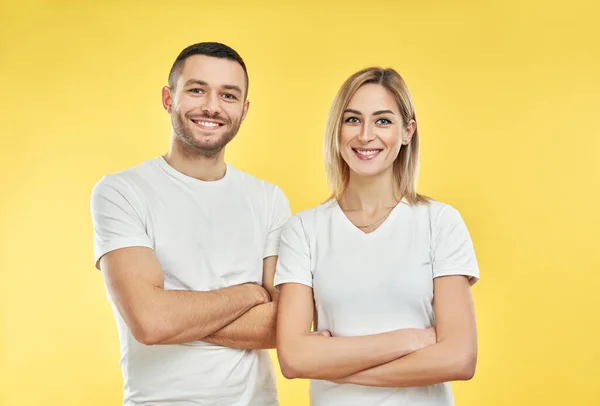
(167, 99)
(246, 107)
(408, 132)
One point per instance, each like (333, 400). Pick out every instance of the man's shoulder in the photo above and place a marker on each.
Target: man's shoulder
(126, 179)
(253, 183)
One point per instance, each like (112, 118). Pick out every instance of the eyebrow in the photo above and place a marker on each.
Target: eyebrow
(203, 83)
(377, 113)
(233, 87)
(195, 82)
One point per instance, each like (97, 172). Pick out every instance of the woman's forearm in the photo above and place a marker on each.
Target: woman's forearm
(442, 362)
(318, 357)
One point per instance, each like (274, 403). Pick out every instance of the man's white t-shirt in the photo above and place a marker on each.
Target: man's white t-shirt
(207, 236)
(374, 283)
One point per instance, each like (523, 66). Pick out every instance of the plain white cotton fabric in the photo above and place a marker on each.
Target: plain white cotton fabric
(374, 283)
(207, 236)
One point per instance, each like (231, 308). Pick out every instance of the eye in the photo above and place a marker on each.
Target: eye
(383, 121)
(352, 120)
(229, 96)
(196, 90)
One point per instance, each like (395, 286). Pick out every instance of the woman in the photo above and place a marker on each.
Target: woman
(366, 265)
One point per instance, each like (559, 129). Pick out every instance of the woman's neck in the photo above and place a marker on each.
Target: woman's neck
(370, 193)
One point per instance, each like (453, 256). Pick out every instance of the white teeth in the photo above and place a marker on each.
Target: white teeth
(208, 124)
(366, 151)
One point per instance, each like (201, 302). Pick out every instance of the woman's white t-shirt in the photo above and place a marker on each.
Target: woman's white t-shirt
(374, 283)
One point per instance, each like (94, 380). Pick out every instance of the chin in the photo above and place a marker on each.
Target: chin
(367, 172)
(199, 134)
(208, 139)
(209, 146)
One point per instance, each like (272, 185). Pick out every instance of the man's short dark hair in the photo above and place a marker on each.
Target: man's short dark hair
(214, 49)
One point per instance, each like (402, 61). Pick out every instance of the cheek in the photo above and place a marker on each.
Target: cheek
(185, 105)
(392, 141)
(234, 112)
(393, 154)
(347, 134)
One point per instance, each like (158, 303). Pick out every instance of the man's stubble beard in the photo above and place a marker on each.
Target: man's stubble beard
(186, 138)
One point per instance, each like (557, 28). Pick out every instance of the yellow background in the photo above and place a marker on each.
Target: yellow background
(507, 101)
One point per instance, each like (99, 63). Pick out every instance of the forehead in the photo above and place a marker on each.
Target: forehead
(373, 97)
(214, 71)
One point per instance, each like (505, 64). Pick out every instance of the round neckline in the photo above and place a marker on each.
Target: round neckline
(389, 219)
(162, 162)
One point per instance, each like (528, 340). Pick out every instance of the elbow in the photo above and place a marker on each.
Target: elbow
(146, 331)
(289, 372)
(146, 337)
(289, 368)
(296, 369)
(465, 367)
(290, 363)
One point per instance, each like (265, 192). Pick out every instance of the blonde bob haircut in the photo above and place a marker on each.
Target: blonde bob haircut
(406, 164)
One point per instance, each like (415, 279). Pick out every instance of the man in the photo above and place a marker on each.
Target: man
(187, 247)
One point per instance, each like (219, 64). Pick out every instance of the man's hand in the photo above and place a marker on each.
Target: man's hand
(256, 328)
(258, 292)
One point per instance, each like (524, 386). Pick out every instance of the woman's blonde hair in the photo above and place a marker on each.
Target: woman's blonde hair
(406, 165)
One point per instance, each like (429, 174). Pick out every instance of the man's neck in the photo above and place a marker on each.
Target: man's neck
(194, 165)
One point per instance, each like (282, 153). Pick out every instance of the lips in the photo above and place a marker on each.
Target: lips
(366, 154)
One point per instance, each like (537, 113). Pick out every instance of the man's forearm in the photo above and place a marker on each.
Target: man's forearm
(182, 316)
(255, 329)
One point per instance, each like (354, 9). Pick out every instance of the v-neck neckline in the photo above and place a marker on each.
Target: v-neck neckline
(388, 220)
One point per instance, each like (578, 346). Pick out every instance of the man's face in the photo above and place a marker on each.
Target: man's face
(208, 104)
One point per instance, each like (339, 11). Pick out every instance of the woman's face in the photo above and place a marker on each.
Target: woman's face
(372, 131)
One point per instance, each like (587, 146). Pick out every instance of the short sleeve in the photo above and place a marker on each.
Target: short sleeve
(453, 252)
(280, 213)
(116, 218)
(293, 264)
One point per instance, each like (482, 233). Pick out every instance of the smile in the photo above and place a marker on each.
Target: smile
(366, 154)
(206, 124)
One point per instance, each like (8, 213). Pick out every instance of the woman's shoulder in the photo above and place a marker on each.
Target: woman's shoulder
(310, 219)
(323, 209)
(437, 212)
(431, 209)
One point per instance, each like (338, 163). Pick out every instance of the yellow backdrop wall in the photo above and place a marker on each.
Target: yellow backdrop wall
(507, 98)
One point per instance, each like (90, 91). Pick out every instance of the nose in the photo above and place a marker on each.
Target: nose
(211, 104)
(366, 134)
